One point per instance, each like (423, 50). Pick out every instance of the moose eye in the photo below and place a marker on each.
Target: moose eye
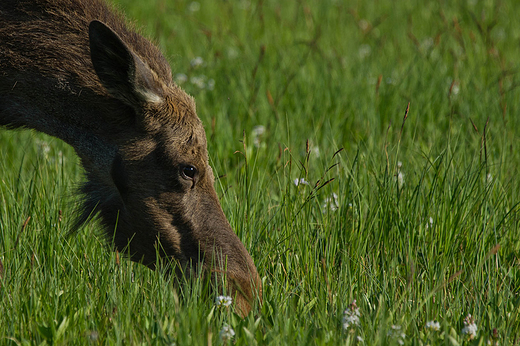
(189, 172)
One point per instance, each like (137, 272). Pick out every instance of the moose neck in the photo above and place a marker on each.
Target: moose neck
(72, 114)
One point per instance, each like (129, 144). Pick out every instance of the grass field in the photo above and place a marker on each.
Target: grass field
(337, 195)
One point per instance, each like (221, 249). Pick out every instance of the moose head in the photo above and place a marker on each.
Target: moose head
(109, 93)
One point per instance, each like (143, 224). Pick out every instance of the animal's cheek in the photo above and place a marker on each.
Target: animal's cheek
(171, 235)
(170, 203)
(168, 218)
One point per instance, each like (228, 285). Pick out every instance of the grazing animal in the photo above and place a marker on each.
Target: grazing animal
(74, 70)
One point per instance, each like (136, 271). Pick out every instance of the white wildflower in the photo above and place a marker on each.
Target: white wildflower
(351, 316)
(92, 336)
(364, 51)
(489, 178)
(194, 6)
(227, 333)
(43, 147)
(315, 151)
(360, 339)
(300, 181)
(335, 197)
(433, 325)
(470, 327)
(258, 131)
(232, 53)
(426, 44)
(364, 24)
(60, 159)
(199, 81)
(244, 4)
(223, 301)
(181, 78)
(397, 334)
(211, 84)
(499, 34)
(198, 61)
(429, 223)
(400, 179)
(331, 202)
(455, 89)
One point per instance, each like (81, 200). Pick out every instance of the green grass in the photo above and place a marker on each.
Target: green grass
(426, 223)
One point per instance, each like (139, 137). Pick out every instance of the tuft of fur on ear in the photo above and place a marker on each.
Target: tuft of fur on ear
(124, 75)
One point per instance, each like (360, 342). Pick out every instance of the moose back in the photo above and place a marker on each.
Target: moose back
(74, 70)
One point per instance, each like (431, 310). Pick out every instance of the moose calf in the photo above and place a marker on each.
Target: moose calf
(74, 70)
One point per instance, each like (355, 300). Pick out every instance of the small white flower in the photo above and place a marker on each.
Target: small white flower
(430, 223)
(211, 84)
(300, 181)
(232, 53)
(181, 78)
(60, 159)
(227, 333)
(199, 81)
(471, 330)
(397, 334)
(427, 43)
(364, 24)
(43, 147)
(400, 179)
(194, 6)
(470, 327)
(315, 151)
(198, 61)
(331, 202)
(223, 301)
(433, 325)
(244, 4)
(455, 89)
(360, 339)
(351, 316)
(364, 51)
(258, 131)
(400, 175)
(350, 320)
(489, 178)
(92, 336)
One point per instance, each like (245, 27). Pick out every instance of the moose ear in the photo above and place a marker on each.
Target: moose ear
(124, 75)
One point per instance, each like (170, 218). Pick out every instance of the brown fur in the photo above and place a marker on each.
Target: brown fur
(108, 92)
